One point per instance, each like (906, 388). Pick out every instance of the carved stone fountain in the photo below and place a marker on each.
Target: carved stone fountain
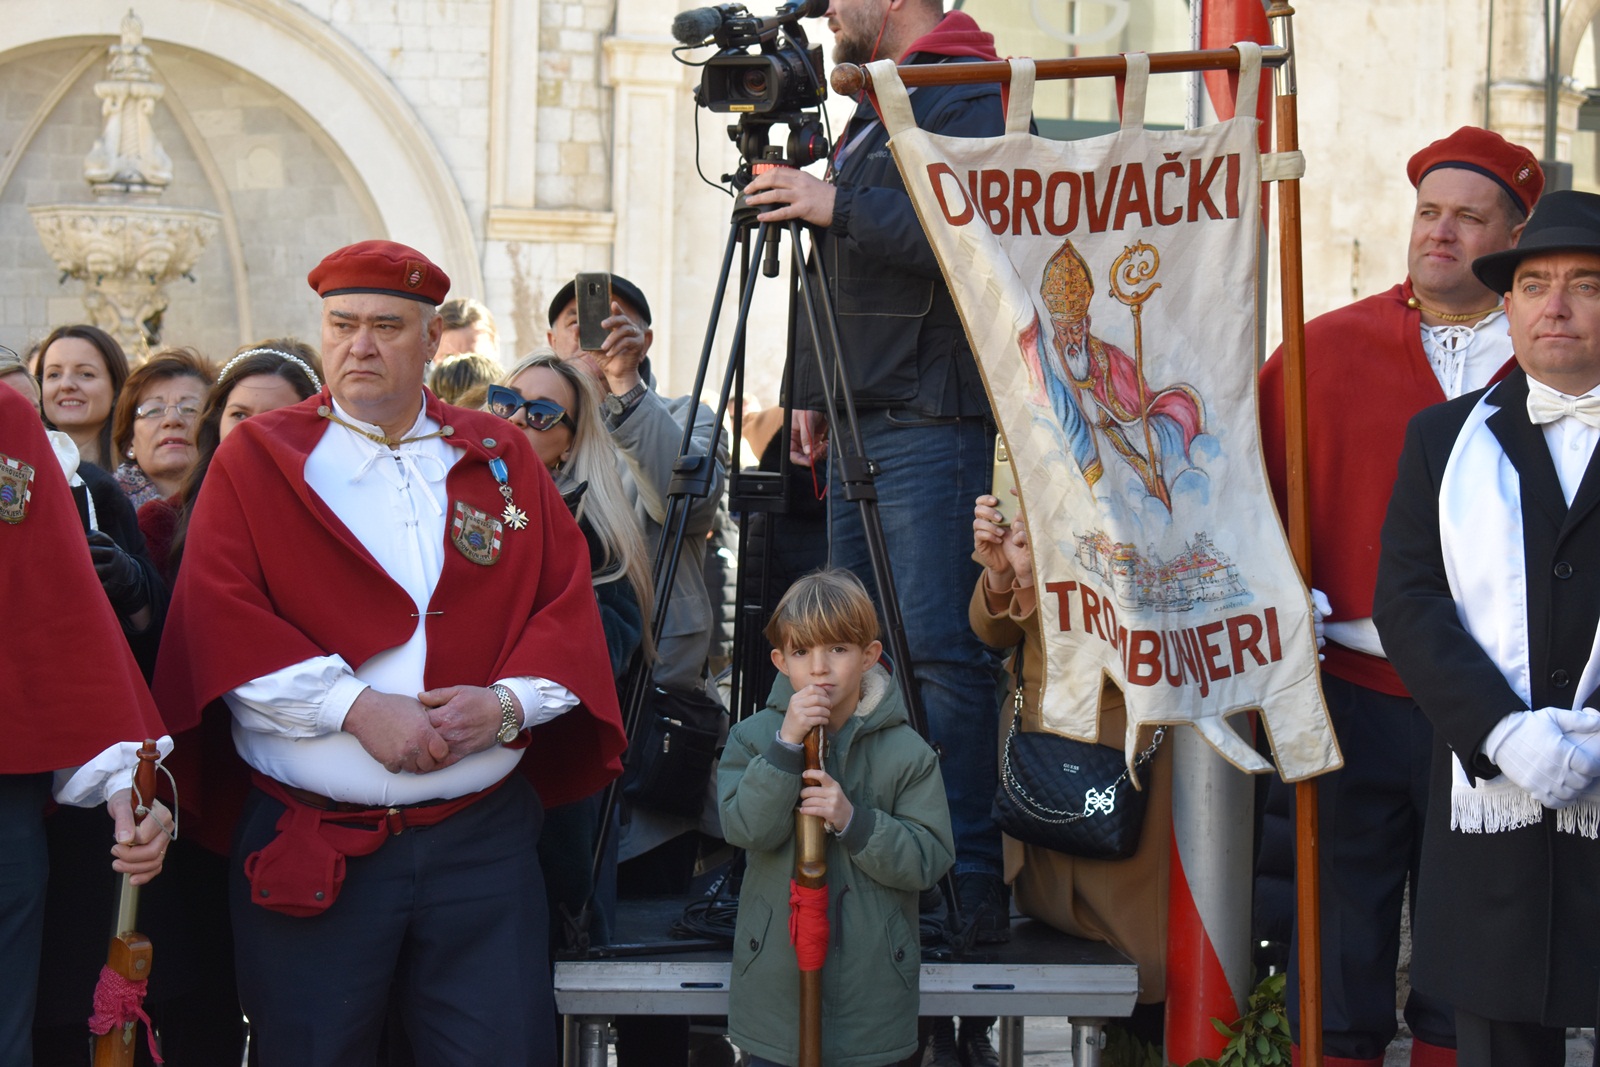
(124, 246)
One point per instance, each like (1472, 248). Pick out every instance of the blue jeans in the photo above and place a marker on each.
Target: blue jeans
(930, 473)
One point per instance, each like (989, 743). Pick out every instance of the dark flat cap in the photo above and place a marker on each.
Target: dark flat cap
(621, 289)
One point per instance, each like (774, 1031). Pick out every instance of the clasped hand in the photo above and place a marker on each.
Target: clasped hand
(432, 731)
(1553, 754)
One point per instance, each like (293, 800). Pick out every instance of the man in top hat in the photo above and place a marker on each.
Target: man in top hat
(1488, 600)
(394, 604)
(1370, 367)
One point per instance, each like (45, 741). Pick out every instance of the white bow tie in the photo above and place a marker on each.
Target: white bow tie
(1546, 407)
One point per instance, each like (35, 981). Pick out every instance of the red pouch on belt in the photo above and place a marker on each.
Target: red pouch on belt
(300, 871)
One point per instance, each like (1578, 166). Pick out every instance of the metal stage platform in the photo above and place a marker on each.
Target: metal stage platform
(1039, 972)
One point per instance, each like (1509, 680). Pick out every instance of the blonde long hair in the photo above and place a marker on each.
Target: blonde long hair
(594, 458)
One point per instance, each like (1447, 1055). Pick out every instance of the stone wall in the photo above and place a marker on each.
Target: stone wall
(236, 149)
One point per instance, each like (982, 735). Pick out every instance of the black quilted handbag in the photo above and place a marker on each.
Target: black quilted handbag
(1069, 796)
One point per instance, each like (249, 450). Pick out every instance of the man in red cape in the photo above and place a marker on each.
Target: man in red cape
(76, 706)
(1369, 368)
(392, 600)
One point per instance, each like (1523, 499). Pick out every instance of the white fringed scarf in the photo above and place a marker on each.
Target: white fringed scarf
(1480, 532)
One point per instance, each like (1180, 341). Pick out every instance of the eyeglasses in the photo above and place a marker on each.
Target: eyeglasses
(541, 414)
(155, 410)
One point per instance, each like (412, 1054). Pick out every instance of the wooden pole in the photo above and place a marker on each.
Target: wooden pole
(811, 872)
(848, 79)
(130, 951)
(1308, 904)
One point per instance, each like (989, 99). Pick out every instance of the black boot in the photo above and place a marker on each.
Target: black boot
(985, 907)
(941, 1049)
(974, 1045)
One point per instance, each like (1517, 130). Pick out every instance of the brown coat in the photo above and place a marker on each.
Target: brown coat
(1121, 902)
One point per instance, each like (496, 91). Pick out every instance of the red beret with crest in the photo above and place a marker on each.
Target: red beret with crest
(1510, 166)
(380, 267)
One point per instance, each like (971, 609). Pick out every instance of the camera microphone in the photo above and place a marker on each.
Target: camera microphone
(696, 26)
(701, 25)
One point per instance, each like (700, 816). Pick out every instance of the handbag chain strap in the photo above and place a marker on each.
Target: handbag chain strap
(1095, 801)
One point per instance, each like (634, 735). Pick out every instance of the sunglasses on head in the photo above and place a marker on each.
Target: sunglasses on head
(541, 414)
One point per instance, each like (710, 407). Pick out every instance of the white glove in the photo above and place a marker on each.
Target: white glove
(1533, 749)
(1320, 610)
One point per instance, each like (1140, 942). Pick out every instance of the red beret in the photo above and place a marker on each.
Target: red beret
(380, 267)
(1510, 166)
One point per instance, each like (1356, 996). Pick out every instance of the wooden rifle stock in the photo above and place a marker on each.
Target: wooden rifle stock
(811, 872)
(130, 951)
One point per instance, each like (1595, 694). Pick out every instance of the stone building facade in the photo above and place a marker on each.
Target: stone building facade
(520, 141)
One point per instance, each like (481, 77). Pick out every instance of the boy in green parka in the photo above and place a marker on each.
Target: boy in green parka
(882, 799)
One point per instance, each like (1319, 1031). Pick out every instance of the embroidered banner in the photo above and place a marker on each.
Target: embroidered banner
(1109, 288)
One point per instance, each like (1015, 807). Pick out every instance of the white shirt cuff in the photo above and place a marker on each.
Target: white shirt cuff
(541, 699)
(305, 699)
(336, 704)
(92, 784)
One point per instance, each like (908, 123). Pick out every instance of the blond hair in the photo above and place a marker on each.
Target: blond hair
(595, 459)
(827, 606)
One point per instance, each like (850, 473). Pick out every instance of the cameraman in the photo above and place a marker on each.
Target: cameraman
(924, 417)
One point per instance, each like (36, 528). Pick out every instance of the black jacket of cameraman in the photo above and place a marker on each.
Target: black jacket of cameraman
(903, 342)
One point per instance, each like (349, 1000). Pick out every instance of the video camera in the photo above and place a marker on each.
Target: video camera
(784, 75)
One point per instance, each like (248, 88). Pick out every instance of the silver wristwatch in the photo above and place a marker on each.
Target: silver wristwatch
(510, 721)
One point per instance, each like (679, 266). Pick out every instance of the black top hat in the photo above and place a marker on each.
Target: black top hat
(1565, 221)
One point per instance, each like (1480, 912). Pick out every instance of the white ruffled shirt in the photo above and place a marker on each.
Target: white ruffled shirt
(289, 724)
(1463, 359)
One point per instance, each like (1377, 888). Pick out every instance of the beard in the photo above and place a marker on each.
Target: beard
(851, 49)
(857, 37)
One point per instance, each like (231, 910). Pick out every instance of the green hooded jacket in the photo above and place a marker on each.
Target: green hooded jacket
(898, 843)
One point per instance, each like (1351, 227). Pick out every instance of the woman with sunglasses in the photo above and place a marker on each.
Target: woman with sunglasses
(556, 406)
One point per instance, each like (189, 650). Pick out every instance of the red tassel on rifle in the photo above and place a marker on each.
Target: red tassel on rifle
(808, 925)
(118, 1001)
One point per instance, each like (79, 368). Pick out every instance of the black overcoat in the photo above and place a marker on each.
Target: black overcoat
(1506, 924)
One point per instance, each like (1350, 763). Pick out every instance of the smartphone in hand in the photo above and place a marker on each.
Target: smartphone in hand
(593, 294)
(1004, 483)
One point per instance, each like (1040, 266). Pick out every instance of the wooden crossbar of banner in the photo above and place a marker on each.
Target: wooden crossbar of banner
(849, 79)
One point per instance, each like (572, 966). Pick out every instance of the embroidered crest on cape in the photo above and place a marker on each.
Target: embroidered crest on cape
(475, 534)
(16, 489)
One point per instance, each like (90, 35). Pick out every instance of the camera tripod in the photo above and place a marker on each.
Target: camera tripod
(762, 492)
